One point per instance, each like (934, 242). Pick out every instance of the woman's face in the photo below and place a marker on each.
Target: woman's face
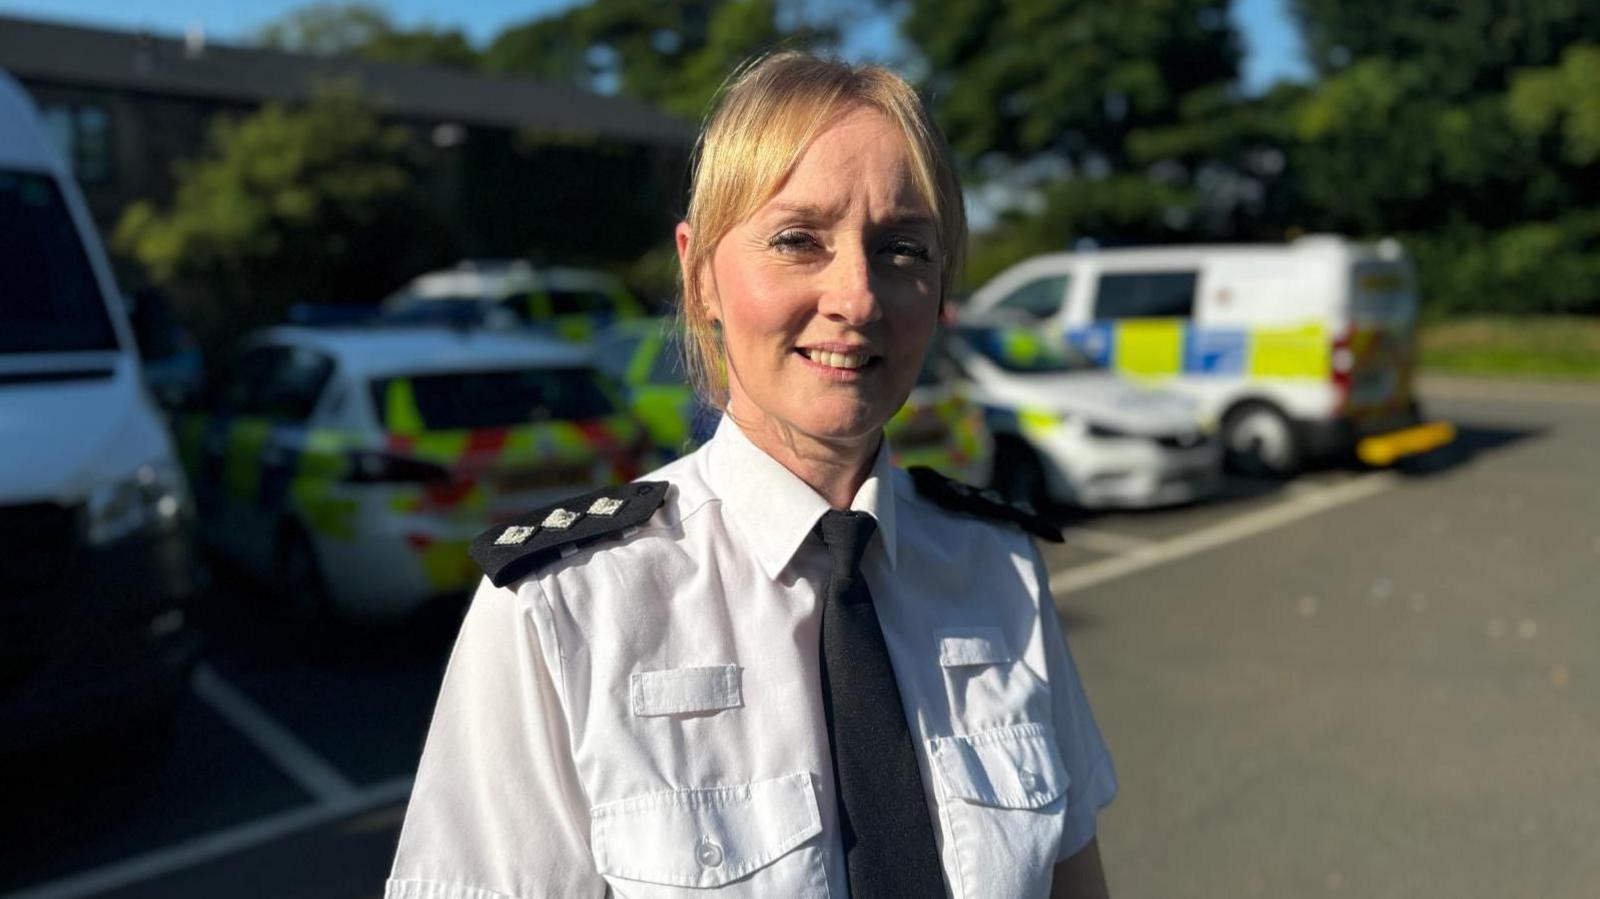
(828, 294)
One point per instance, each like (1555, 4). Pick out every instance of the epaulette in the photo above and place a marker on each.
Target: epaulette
(969, 500)
(510, 552)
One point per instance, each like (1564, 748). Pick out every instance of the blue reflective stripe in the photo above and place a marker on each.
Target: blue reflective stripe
(1215, 352)
(1097, 341)
(287, 443)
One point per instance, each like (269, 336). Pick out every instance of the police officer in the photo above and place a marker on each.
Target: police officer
(778, 666)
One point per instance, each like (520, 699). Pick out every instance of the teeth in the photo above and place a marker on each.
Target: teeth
(838, 360)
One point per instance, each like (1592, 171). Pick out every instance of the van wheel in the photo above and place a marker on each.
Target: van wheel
(1018, 475)
(300, 576)
(1260, 441)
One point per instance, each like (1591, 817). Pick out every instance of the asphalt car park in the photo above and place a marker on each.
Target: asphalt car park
(1358, 682)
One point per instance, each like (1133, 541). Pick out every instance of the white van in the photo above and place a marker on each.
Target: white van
(1295, 350)
(95, 514)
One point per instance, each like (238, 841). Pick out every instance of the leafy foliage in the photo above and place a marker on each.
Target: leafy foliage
(675, 55)
(287, 204)
(365, 32)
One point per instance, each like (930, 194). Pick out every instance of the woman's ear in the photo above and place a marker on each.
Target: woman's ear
(682, 236)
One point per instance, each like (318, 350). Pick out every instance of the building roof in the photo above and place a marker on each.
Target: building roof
(73, 55)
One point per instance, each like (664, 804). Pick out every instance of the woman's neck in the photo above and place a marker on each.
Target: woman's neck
(835, 469)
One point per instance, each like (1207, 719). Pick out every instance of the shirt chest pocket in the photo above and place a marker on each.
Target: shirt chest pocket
(756, 839)
(987, 685)
(1003, 796)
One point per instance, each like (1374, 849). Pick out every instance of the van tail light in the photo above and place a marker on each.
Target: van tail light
(1342, 362)
(368, 467)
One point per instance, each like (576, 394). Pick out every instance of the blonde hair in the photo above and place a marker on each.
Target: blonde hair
(766, 116)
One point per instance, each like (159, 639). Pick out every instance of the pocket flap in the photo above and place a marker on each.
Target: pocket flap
(1008, 767)
(704, 838)
(681, 691)
(973, 646)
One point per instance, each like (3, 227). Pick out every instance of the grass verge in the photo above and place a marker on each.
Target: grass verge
(1546, 346)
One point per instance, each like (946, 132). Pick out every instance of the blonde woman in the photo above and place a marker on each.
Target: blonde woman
(777, 667)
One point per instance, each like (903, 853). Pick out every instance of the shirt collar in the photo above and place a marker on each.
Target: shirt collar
(774, 510)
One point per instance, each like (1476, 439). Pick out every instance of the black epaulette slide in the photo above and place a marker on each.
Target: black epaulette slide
(964, 498)
(511, 552)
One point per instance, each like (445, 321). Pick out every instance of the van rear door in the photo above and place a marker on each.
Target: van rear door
(1376, 356)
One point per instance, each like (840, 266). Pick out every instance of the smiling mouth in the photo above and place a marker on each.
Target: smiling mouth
(844, 361)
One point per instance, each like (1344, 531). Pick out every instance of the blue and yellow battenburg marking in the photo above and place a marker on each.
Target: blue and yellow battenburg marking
(1156, 348)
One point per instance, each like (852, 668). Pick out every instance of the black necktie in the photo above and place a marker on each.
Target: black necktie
(889, 848)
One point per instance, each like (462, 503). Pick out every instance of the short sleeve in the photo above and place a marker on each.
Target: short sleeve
(1092, 780)
(496, 811)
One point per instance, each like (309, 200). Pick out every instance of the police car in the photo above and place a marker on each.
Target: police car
(354, 466)
(570, 303)
(937, 427)
(1068, 431)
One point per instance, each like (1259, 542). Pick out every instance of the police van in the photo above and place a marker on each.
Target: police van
(569, 303)
(95, 512)
(1301, 350)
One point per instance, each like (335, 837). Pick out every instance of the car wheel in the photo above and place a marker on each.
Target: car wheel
(1018, 475)
(306, 594)
(1260, 441)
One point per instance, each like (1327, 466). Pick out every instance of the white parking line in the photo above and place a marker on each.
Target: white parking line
(215, 845)
(1107, 542)
(311, 771)
(1082, 577)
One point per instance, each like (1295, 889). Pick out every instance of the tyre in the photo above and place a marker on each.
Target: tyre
(1018, 475)
(1259, 440)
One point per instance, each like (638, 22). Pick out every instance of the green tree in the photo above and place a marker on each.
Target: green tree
(288, 204)
(1468, 129)
(1113, 121)
(364, 31)
(674, 55)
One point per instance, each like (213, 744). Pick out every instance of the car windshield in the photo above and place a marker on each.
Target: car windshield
(489, 399)
(49, 299)
(1023, 350)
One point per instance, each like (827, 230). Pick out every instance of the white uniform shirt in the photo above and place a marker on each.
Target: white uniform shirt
(645, 714)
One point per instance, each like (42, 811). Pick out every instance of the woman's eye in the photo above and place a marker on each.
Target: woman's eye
(909, 249)
(793, 242)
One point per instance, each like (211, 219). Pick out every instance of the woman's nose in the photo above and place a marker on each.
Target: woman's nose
(850, 296)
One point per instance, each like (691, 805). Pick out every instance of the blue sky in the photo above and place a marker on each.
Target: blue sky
(1273, 50)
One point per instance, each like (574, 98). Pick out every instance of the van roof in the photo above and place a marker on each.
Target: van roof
(1189, 254)
(388, 351)
(23, 144)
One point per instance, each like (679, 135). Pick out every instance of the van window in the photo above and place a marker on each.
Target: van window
(1145, 295)
(1039, 299)
(578, 302)
(49, 299)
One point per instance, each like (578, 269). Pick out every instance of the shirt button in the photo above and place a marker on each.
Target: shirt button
(1028, 779)
(708, 853)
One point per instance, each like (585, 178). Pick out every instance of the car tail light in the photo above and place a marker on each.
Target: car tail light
(367, 467)
(1342, 361)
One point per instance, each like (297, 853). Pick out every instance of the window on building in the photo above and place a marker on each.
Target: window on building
(1145, 295)
(83, 135)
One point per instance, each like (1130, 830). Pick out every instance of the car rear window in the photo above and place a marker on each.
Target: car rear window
(49, 299)
(489, 399)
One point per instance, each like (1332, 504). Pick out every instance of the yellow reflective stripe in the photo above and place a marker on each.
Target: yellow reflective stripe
(447, 565)
(1151, 347)
(1299, 352)
(1022, 347)
(400, 412)
(664, 411)
(321, 467)
(1036, 422)
(241, 465)
(644, 358)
